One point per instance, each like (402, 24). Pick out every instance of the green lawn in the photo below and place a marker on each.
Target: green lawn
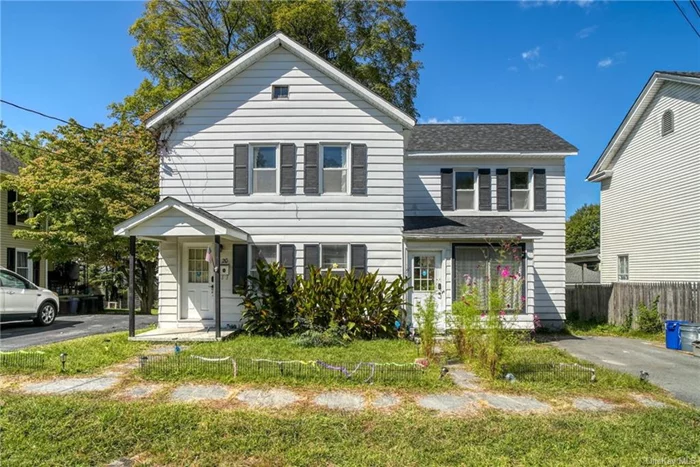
(85, 430)
(589, 328)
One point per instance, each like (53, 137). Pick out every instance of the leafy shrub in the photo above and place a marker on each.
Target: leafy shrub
(426, 318)
(268, 305)
(648, 317)
(628, 321)
(331, 337)
(355, 306)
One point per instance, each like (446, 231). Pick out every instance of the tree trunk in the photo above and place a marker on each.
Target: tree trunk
(146, 284)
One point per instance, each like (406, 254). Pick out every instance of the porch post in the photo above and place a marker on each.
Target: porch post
(132, 294)
(217, 285)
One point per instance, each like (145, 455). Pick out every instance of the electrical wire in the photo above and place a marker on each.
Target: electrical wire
(686, 18)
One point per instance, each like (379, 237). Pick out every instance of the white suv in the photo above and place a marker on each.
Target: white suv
(20, 300)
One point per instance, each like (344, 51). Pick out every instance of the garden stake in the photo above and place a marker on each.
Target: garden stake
(63, 361)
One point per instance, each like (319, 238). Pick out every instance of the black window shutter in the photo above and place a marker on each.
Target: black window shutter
(288, 167)
(312, 257)
(540, 176)
(484, 189)
(11, 214)
(447, 190)
(240, 266)
(359, 169)
(358, 260)
(311, 169)
(502, 202)
(240, 169)
(287, 261)
(37, 271)
(11, 259)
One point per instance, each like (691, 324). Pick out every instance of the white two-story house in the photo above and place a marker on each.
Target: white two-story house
(649, 177)
(281, 156)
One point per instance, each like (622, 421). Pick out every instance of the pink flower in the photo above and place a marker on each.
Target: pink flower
(505, 272)
(502, 313)
(483, 315)
(522, 299)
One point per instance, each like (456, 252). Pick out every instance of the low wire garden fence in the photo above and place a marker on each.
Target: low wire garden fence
(22, 359)
(193, 365)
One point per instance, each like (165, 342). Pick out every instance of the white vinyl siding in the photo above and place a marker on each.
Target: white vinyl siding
(546, 265)
(199, 168)
(649, 207)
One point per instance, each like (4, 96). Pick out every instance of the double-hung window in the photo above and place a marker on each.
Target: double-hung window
(335, 169)
(265, 253)
(23, 264)
(465, 194)
(519, 190)
(264, 169)
(623, 267)
(334, 257)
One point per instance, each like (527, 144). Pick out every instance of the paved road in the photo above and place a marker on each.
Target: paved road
(675, 371)
(18, 335)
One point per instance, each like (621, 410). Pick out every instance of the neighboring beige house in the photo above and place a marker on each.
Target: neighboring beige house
(650, 185)
(281, 156)
(14, 253)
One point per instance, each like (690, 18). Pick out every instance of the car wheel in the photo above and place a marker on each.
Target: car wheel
(46, 315)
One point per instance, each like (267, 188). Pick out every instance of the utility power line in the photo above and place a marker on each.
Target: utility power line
(686, 18)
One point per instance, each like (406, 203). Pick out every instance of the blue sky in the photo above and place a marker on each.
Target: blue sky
(575, 67)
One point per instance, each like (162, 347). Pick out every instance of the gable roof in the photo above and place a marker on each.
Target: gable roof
(8, 163)
(644, 99)
(246, 59)
(487, 138)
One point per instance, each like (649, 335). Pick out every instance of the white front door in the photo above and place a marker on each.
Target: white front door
(426, 278)
(197, 284)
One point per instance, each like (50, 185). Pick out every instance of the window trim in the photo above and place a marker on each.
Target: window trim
(619, 272)
(252, 262)
(30, 263)
(672, 114)
(530, 203)
(348, 168)
(347, 267)
(272, 93)
(475, 189)
(252, 169)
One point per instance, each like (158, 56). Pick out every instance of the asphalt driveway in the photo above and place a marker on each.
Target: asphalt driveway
(675, 371)
(18, 335)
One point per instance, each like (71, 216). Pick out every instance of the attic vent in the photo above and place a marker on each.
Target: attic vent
(280, 92)
(667, 123)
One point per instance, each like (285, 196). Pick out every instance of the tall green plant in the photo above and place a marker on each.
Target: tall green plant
(427, 320)
(648, 317)
(268, 304)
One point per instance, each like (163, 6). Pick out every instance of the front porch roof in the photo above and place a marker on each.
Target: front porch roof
(173, 218)
(466, 227)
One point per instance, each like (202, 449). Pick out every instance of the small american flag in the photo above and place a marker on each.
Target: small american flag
(208, 257)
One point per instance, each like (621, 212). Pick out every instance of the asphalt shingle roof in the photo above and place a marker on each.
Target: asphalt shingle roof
(466, 226)
(691, 74)
(487, 137)
(9, 163)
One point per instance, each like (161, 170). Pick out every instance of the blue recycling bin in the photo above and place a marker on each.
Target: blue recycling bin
(673, 334)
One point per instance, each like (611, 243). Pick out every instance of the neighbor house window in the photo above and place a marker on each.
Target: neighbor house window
(519, 190)
(334, 257)
(667, 124)
(623, 267)
(464, 190)
(264, 253)
(335, 171)
(280, 92)
(23, 265)
(264, 169)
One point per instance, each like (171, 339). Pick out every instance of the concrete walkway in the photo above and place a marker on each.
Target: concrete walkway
(675, 371)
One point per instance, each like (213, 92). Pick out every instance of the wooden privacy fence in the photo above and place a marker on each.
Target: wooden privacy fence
(612, 302)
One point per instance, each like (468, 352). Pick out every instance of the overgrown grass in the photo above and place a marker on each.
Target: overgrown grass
(591, 328)
(84, 430)
(244, 348)
(84, 355)
(609, 383)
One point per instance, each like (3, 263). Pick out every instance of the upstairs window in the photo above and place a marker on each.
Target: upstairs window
(519, 190)
(264, 169)
(667, 124)
(623, 267)
(335, 172)
(280, 92)
(464, 190)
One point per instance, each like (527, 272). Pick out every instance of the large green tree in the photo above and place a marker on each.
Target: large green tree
(180, 43)
(583, 229)
(78, 184)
